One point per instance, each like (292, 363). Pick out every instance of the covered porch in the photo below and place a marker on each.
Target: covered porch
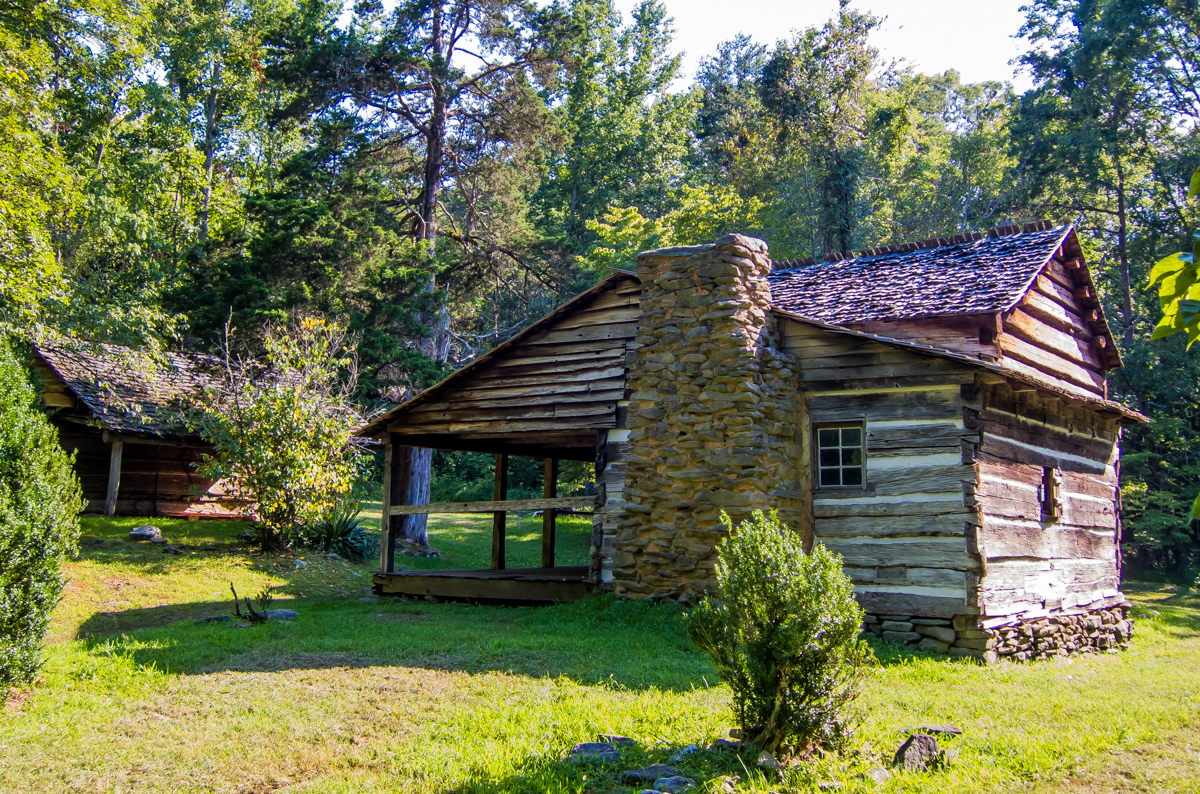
(552, 392)
(549, 582)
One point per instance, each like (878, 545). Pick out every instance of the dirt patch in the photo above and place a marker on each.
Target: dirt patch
(1159, 767)
(262, 662)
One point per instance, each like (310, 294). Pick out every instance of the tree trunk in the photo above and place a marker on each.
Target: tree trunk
(210, 146)
(415, 529)
(1123, 251)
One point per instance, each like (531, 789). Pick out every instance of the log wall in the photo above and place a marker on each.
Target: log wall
(1039, 563)
(903, 536)
(156, 479)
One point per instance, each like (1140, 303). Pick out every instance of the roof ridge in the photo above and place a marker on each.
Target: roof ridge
(1004, 230)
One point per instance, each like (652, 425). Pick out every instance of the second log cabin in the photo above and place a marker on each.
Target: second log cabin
(937, 413)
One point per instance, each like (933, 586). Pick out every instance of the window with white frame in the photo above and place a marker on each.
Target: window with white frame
(840, 456)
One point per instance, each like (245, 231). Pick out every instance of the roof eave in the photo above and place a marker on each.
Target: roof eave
(379, 425)
(1099, 403)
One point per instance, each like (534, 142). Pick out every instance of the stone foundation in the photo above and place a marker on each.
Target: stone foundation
(1073, 631)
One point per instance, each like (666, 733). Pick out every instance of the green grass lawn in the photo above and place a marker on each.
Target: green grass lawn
(410, 696)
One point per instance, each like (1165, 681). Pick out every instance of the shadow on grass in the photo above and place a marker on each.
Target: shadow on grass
(622, 644)
(546, 774)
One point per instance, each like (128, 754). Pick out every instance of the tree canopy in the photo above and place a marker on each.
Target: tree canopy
(433, 174)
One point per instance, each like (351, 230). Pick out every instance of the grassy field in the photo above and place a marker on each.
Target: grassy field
(410, 696)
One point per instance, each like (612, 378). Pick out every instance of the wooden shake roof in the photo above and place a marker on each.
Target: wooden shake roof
(128, 390)
(964, 274)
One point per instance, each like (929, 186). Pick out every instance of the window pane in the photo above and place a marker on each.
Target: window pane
(827, 438)
(829, 457)
(851, 437)
(851, 476)
(852, 457)
(830, 477)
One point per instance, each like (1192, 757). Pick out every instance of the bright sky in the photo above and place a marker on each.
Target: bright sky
(976, 37)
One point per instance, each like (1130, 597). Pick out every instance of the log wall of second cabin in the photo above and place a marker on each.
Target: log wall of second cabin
(1038, 564)
(903, 537)
(566, 378)
(156, 479)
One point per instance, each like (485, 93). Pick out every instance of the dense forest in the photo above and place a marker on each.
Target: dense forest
(436, 173)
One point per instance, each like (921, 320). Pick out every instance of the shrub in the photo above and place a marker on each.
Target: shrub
(782, 629)
(40, 501)
(341, 531)
(282, 432)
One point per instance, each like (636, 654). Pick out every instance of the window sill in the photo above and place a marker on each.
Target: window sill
(843, 493)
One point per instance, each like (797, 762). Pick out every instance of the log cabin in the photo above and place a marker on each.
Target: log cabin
(120, 411)
(937, 413)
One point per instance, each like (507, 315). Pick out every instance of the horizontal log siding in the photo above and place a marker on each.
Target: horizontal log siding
(1035, 565)
(1049, 335)
(155, 479)
(962, 334)
(903, 538)
(569, 377)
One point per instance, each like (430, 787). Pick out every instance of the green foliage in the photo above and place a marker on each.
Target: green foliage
(281, 435)
(342, 532)
(40, 502)
(702, 215)
(782, 628)
(1177, 277)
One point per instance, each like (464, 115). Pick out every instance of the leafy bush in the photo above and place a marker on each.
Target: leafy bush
(40, 503)
(341, 531)
(783, 631)
(282, 433)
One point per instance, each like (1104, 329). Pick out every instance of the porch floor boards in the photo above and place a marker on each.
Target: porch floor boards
(509, 586)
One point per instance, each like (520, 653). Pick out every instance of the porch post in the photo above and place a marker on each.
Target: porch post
(499, 494)
(114, 478)
(549, 491)
(387, 542)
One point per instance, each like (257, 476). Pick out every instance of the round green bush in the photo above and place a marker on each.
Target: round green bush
(40, 502)
(782, 628)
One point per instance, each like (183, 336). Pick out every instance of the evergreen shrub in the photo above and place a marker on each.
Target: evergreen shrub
(40, 502)
(783, 630)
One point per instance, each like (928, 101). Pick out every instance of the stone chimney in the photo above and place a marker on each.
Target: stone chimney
(714, 416)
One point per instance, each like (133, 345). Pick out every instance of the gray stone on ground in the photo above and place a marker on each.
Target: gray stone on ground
(767, 761)
(684, 752)
(595, 751)
(877, 774)
(724, 744)
(216, 619)
(282, 614)
(145, 532)
(729, 784)
(616, 739)
(672, 785)
(300, 564)
(919, 752)
(158, 540)
(934, 727)
(243, 625)
(648, 774)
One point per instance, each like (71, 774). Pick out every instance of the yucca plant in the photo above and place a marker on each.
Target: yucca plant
(340, 531)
